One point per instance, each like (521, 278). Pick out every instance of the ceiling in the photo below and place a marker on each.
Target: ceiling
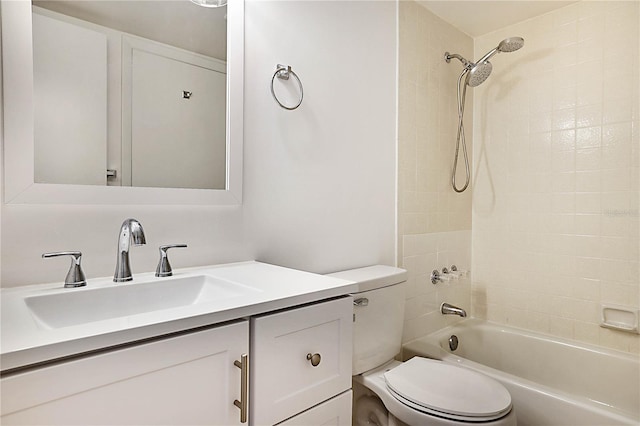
(478, 17)
(203, 30)
(178, 23)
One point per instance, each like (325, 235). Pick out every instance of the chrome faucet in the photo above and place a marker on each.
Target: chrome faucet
(447, 309)
(130, 232)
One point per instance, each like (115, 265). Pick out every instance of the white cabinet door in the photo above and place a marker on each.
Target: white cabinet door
(189, 379)
(335, 412)
(284, 381)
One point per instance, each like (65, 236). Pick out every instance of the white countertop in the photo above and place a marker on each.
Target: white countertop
(25, 340)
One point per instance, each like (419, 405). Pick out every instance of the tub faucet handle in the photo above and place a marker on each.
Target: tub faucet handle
(450, 274)
(457, 273)
(164, 268)
(437, 276)
(75, 276)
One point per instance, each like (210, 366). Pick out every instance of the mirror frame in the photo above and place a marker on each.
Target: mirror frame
(18, 119)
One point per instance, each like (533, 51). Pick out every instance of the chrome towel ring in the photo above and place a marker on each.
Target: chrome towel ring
(283, 72)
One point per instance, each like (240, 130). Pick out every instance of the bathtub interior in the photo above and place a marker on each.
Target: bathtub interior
(608, 378)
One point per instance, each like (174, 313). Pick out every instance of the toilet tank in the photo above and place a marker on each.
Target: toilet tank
(378, 314)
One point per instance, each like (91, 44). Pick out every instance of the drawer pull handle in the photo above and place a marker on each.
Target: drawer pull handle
(243, 365)
(315, 359)
(362, 301)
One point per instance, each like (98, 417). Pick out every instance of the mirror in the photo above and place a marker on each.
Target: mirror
(138, 60)
(125, 96)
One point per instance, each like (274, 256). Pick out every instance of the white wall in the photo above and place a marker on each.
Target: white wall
(319, 184)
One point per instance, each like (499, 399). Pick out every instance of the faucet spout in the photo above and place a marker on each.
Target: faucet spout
(131, 232)
(447, 309)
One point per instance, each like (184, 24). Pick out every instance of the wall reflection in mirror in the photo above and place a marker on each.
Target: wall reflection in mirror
(130, 93)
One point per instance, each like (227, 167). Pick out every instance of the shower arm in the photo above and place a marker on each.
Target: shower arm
(466, 63)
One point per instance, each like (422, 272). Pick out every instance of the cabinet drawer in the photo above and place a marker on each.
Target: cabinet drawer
(283, 381)
(335, 412)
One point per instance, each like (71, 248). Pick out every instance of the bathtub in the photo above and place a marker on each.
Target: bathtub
(552, 381)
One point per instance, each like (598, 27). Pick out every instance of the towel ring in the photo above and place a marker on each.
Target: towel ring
(283, 72)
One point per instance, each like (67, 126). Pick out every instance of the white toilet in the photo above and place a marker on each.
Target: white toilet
(419, 391)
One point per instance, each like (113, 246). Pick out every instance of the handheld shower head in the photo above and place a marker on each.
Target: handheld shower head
(510, 44)
(507, 45)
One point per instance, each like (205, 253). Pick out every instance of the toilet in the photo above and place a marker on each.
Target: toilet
(420, 391)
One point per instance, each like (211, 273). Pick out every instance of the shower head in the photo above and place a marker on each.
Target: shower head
(510, 44)
(479, 73)
(476, 73)
(507, 45)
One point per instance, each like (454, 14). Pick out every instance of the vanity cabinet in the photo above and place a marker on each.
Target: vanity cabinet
(189, 379)
(299, 373)
(335, 412)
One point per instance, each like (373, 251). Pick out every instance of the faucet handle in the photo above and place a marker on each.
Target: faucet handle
(164, 268)
(438, 277)
(75, 276)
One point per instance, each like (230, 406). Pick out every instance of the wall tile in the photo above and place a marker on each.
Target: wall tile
(434, 222)
(422, 254)
(428, 123)
(560, 215)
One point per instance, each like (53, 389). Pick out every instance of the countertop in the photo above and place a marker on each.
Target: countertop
(25, 340)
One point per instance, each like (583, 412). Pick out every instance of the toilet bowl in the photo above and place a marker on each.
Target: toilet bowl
(428, 394)
(420, 391)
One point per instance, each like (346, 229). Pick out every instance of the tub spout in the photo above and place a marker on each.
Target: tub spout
(447, 309)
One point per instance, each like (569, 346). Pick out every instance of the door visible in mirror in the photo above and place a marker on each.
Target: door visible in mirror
(130, 93)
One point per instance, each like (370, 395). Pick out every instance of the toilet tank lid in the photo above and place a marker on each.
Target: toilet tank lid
(373, 277)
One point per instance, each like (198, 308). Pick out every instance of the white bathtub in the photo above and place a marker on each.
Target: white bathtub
(552, 381)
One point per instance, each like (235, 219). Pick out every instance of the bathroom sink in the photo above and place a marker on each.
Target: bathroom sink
(87, 305)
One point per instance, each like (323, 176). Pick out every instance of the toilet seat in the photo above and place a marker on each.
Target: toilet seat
(452, 393)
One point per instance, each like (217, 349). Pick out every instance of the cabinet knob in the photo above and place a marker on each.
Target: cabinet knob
(315, 359)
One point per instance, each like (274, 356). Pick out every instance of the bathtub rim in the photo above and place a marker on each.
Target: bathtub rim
(507, 328)
(429, 346)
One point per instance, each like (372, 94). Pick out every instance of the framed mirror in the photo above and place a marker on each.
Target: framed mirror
(144, 69)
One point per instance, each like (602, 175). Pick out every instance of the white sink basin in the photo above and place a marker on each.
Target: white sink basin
(81, 306)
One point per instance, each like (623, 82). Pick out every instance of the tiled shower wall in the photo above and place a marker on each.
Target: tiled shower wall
(434, 222)
(555, 198)
(422, 253)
